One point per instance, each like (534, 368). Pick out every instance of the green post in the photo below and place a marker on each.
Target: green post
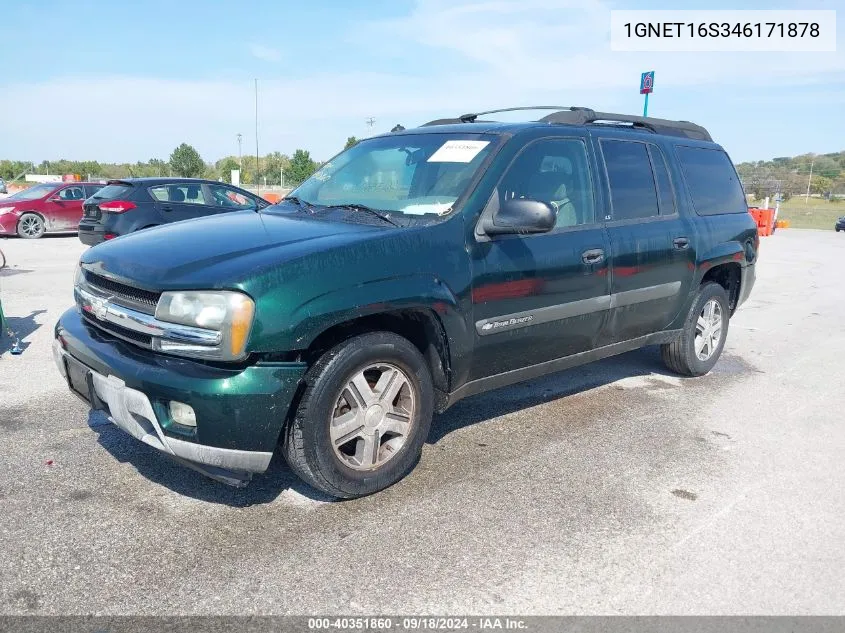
(645, 107)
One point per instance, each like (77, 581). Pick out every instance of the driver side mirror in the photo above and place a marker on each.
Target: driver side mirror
(521, 216)
(56, 198)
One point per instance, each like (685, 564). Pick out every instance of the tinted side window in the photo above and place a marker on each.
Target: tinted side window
(665, 192)
(632, 191)
(222, 196)
(555, 171)
(712, 181)
(72, 193)
(90, 190)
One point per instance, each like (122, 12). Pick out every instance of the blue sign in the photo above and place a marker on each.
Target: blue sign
(647, 82)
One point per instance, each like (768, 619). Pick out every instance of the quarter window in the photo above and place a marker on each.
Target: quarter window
(712, 181)
(555, 171)
(632, 190)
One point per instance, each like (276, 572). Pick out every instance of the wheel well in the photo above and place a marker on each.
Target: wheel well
(727, 276)
(420, 326)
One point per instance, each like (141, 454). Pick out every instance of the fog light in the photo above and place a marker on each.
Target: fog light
(182, 414)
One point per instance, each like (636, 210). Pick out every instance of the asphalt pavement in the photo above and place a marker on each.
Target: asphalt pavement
(615, 488)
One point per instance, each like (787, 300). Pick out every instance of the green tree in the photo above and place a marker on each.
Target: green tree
(350, 142)
(300, 168)
(821, 184)
(187, 162)
(226, 166)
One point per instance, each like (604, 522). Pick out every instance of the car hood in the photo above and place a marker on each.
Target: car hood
(218, 251)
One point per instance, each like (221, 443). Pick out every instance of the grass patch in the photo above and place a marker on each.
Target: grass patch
(813, 214)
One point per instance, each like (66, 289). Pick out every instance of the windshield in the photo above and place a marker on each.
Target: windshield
(414, 174)
(33, 193)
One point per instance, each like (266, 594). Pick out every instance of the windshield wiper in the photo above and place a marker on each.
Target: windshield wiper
(300, 203)
(364, 208)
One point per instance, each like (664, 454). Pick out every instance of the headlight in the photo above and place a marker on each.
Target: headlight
(6, 210)
(229, 313)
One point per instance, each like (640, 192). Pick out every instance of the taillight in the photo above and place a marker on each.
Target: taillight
(109, 236)
(116, 206)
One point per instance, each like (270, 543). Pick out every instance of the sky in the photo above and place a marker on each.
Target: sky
(99, 80)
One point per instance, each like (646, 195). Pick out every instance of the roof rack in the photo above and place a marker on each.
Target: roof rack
(575, 115)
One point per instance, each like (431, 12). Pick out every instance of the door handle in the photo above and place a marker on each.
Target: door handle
(680, 243)
(166, 207)
(592, 256)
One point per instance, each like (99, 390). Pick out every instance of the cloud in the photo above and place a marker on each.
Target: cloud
(443, 58)
(265, 53)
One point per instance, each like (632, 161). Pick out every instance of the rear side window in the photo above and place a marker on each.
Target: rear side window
(183, 193)
(113, 192)
(712, 181)
(632, 191)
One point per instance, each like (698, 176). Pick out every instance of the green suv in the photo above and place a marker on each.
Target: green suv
(412, 270)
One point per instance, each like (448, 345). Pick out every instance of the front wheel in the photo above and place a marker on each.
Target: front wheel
(702, 339)
(363, 416)
(31, 226)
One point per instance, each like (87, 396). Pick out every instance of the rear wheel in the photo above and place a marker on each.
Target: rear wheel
(363, 417)
(702, 339)
(31, 226)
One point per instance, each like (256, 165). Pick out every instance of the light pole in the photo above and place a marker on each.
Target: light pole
(810, 180)
(370, 123)
(240, 153)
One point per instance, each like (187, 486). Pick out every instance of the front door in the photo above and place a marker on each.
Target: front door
(652, 246)
(540, 297)
(64, 208)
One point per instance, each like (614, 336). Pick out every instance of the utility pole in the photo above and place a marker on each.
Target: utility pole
(810, 180)
(370, 123)
(257, 183)
(240, 152)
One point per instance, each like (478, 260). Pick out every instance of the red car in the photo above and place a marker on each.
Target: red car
(54, 207)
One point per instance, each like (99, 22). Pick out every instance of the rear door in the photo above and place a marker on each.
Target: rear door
(181, 201)
(541, 297)
(63, 209)
(652, 245)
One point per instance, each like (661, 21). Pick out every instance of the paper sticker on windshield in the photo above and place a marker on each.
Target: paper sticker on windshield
(458, 151)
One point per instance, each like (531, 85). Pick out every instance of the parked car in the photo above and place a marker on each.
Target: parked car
(54, 207)
(128, 205)
(412, 270)
(840, 224)
(3, 186)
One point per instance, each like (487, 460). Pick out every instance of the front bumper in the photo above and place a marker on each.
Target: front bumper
(239, 412)
(8, 222)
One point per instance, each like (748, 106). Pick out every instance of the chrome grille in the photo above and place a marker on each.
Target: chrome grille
(144, 340)
(135, 296)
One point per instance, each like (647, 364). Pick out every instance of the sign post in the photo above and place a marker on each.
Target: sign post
(646, 87)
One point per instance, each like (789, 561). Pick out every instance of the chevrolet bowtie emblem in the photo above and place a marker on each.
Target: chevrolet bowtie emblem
(100, 307)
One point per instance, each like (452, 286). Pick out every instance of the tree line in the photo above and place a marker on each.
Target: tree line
(272, 169)
(789, 176)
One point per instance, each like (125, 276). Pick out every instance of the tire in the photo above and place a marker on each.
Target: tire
(31, 226)
(360, 466)
(680, 355)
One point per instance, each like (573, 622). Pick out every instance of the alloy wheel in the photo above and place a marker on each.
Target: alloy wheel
(372, 417)
(708, 330)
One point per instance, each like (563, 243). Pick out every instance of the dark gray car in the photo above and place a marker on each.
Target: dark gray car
(129, 205)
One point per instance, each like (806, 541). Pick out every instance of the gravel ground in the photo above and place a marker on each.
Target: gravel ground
(616, 488)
